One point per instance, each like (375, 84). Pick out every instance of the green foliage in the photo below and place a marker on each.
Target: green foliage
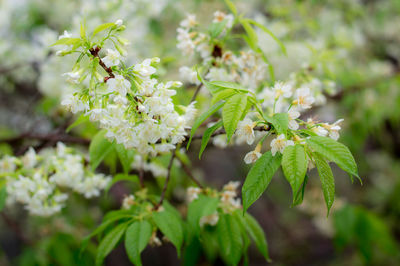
(99, 148)
(198, 208)
(232, 113)
(136, 239)
(229, 239)
(109, 242)
(294, 166)
(327, 180)
(207, 135)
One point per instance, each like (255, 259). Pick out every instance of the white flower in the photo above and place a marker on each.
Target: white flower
(189, 21)
(231, 186)
(245, 130)
(282, 89)
(320, 131)
(193, 193)
(73, 77)
(65, 35)
(211, 219)
(118, 22)
(189, 75)
(303, 98)
(221, 16)
(293, 115)
(279, 144)
(185, 42)
(333, 129)
(113, 58)
(118, 84)
(29, 159)
(128, 201)
(145, 69)
(252, 157)
(73, 104)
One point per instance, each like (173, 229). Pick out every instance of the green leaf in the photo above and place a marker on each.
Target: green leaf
(216, 28)
(137, 236)
(99, 148)
(222, 95)
(198, 208)
(231, 7)
(81, 119)
(207, 135)
(256, 233)
(200, 120)
(232, 112)
(67, 41)
(125, 156)
(300, 194)
(229, 85)
(171, 226)
(102, 27)
(212, 88)
(251, 33)
(3, 197)
(327, 180)
(280, 121)
(335, 152)
(229, 239)
(122, 177)
(259, 177)
(109, 242)
(294, 166)
(266, 30)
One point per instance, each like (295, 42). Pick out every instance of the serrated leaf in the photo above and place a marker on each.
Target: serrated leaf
(207, 135)
(137, 236)
(300, 194)
(109, 242)
(3, 197)
(67, 41)
(266, 30)
(125, 156)
(327, 180)
(102, 27)
(280, 121)
(232, 112)
(200, 120)
(222, 95)
(212, 88)
(198, 208)
(80, 120)
(335, 152)
(216, 28)
(229, 239)
(99, 148)
(259, 177)
(294, 166)
(171, 226)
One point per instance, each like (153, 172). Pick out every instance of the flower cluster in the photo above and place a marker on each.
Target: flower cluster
(133, 106)
(39, 181)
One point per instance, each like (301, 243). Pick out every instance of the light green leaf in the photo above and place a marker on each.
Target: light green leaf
(259, 177)
(136, 238)
(212, 88)
(327, 180)
(229, 239)
(280, 121)
(122, 177)
(67, 41)
(102, 27)
(335, 152)
(266, 30)
(125, 156)
(231, 7)
(200, 120)
(3, 197)
(229, 85)
(198, 208)
(99, 148)
(251, 33)
(171, 226)
(207, 135)
(109, 242)
(216, 28)
(222, 95)
(80, 120)
(232, 112)
(294, 166)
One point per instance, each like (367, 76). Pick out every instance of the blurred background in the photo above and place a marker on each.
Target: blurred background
(353, 43)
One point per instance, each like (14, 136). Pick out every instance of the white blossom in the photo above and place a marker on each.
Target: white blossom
(279, 144)
(113, 58)
(118, 84)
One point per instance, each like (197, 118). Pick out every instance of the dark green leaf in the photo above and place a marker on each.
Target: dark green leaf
(232, 112)
(109, 242)
(99, 148)
(327, 180)
(294, 166)
(3, 197)
(207, 135)
(136, 238)
(198, 208)
(229, 239)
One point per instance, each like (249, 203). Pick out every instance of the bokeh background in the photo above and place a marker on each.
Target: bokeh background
(354, 43)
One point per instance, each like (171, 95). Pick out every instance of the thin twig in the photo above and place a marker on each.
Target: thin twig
(95, 53)
(167, 179)
(141, 177)
(189, 173)
(196, 92)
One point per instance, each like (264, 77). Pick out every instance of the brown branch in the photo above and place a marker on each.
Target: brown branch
(167, 179)
(141, 177)
(95, 53)
(189, 173)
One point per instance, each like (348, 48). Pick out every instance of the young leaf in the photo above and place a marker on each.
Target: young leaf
(229, 85)
(3, 197)
(294, 166)
(202, 118)
(171, 226)
(99, 148)
(229, 239)
(335, 152)
(207, 135)
(231, 7)
(102, 27)
(136, 238)
(222, 95)
(109, 242)
(216, 28)
(67, 41)
(252, 35)
(280, 121)
(232, 112)
(327, 180)
(81, 119)
(259, 177)
(125, 156)
(198, 208)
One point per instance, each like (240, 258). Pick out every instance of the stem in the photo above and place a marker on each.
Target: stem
(141, 177)
(167, 179)
(189, 173)
(95, 53)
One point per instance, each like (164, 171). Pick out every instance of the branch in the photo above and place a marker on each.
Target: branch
(189, 173)
(95, 53)
(141, 177)
(167, 179)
